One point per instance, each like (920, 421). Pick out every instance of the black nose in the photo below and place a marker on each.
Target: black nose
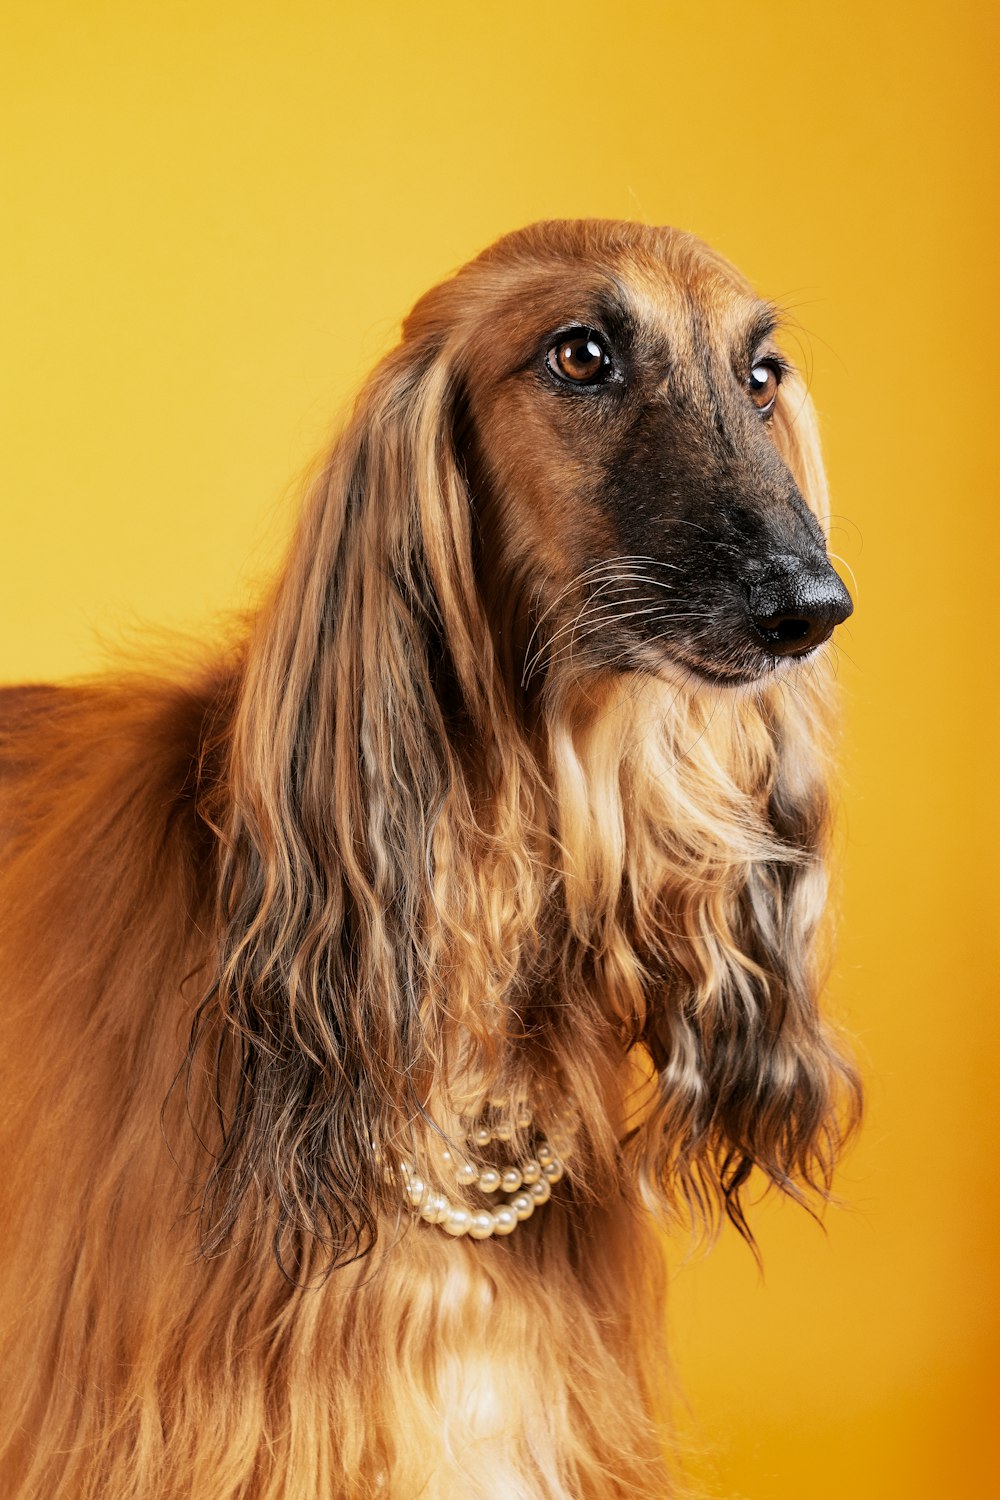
(796, 605)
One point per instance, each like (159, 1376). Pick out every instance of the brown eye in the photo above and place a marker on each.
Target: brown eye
(580, 358)
(762, 383)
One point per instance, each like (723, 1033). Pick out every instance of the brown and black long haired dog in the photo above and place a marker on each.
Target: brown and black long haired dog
(366, 988)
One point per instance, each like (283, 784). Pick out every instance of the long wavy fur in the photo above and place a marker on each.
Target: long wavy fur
(312, 903)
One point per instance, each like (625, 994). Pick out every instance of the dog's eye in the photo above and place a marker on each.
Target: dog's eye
(578, 357)
(762, 383)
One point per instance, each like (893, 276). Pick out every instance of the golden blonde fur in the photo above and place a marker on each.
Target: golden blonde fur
(405, 848)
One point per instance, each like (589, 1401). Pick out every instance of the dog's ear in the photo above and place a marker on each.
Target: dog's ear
(344, 782)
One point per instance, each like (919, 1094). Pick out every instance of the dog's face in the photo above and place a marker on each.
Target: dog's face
(627, 406)
(588, 469)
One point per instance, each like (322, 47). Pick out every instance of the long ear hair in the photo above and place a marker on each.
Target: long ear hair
(694, 833)
(354, 839)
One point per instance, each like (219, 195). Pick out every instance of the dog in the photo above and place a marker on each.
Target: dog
(378, 984)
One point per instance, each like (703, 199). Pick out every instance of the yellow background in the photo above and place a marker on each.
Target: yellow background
(220, 212)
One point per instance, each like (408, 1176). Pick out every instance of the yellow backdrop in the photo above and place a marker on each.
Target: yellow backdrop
(219, 213)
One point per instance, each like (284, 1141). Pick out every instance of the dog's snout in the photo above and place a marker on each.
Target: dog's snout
(797, 604)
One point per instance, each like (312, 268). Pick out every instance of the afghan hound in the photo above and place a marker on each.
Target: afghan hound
(377, 985)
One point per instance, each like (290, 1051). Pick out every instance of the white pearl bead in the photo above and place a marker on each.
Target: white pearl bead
(489, 1179)
(510, 1180)
(531, 1171)
(523, 1118)
(466, 1174)
(541, 1191)
(434, 1208)
(482, 1136)
(499, 1101)
(481, 1225)
(503, 1132)
(504, 1220)
(416, 1187)
(553, 1170)
(544, 1152)
(523, 1205)
(457, 1220)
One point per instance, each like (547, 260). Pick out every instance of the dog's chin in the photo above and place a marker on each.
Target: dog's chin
(726, 676)
(756, 668)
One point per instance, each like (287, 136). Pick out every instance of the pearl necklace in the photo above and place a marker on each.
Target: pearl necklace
(526, 1186)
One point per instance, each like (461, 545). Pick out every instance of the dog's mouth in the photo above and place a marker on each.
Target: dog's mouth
(750, 630)
(735, 634)
(761, 669)
(732, 658)
(736, 653)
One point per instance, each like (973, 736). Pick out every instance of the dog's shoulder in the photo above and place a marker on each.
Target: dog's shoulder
(123, 754)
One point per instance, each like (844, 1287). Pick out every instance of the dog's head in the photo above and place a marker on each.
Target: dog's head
(484, 824)
(641, 454)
